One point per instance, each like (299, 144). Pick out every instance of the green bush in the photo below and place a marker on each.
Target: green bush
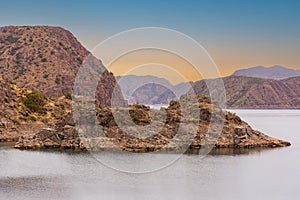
(68, 96)
(46, 76)
(35, 101)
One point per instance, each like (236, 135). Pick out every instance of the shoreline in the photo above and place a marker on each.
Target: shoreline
(213, 152)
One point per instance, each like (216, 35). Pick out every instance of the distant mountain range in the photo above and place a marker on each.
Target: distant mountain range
(276, 72)
(241, 92)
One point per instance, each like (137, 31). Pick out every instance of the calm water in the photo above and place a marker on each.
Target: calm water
(270, 174)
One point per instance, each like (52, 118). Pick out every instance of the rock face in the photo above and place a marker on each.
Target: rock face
(163, 135)
(47, 59)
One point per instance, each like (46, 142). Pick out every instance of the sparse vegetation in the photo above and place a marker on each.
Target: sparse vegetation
(35, 101)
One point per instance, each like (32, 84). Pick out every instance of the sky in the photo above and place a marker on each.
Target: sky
(237, 34)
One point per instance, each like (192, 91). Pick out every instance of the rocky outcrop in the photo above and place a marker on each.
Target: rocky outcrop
(50, 138)
(238, 134)
(126, 134)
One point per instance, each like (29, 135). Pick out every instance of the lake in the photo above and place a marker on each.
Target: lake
(268, 174)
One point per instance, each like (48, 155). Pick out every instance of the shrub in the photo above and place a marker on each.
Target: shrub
(68, 96)
(19, 56)
(80, 60)
(57, 79)
(35, 101)
(12, 39)
(14, 50)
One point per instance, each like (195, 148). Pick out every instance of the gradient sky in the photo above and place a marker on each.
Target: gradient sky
(237, 34)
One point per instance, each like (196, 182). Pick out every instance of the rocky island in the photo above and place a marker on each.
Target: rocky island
(235, 133)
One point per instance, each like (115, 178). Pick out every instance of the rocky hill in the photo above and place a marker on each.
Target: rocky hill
(275, 72)
(46, 59)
